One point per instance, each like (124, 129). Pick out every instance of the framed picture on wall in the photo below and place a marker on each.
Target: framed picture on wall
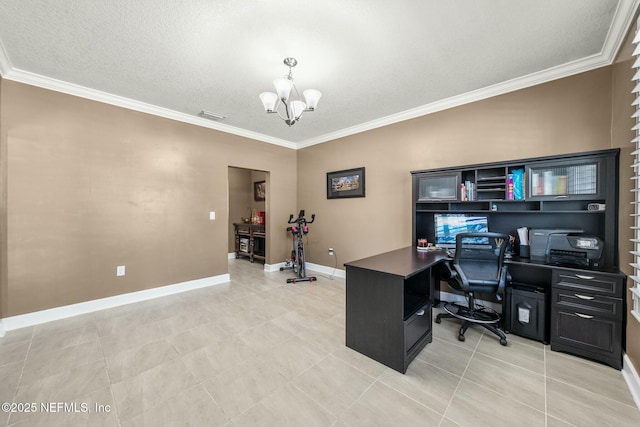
(259, 191)
(345, 184)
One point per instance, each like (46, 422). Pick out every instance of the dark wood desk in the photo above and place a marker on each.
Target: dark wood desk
(390, 296)
(388, 305)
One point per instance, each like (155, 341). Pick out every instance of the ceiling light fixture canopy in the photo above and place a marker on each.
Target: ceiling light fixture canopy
(282, 100)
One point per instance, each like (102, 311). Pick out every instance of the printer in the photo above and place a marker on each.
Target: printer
(539, 238)
(574, 249)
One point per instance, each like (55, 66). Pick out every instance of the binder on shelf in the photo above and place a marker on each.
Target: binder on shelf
(510, 187)
(518, 175)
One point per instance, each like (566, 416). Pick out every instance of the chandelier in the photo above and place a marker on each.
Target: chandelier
(289, 109)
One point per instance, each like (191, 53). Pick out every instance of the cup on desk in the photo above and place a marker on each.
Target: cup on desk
(524, 251)
(422, 243)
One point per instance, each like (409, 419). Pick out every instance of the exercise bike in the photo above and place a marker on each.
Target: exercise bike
(296, 263)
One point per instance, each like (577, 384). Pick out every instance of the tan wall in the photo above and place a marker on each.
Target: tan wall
(564, 116)
(3, 211)
(586, 112)
(86, 186)
(622, 134)
(91, 186)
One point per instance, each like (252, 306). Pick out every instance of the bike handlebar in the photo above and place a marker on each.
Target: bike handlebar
(301, 220)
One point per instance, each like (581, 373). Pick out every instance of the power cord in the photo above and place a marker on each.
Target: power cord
(335, 265)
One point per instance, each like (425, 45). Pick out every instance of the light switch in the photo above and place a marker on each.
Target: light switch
(212, 216)
(120, 270)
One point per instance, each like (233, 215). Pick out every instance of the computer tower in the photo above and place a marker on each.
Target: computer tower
(525, 311)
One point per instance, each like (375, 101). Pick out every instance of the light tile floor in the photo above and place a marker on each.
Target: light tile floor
(260, 352)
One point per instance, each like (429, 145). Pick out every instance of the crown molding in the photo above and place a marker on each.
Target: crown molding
(33, 79)
(550, 74)
(624, 16)
(566, 70)
(626, 13)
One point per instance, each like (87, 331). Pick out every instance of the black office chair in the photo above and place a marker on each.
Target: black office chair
(477, 266)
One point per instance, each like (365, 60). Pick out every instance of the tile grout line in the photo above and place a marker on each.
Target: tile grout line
(106, 367)
(480, 353)
(461, 378)
(24, 364)
(546, 409)
(338, 417)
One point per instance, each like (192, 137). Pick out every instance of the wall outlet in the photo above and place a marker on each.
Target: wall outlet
(120, 270)
(212, 216)
(330, 251)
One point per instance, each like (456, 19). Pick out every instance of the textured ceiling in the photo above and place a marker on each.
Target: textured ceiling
(375, 61)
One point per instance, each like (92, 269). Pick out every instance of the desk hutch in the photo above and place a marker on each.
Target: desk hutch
(387, 294)
(587, 306)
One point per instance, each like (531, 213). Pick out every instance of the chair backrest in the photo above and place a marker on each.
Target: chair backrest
(479, 258)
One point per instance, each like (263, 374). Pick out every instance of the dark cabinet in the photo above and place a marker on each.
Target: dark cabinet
(562, 180)
(417, 326)
(388, 305)
(438, 187)
(588, 314)
(544, 192)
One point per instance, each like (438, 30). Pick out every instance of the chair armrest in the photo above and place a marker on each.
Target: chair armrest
(462, 278)
(457, 279)
(502, 283)
(446, 272)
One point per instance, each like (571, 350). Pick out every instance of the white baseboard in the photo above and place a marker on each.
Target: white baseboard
(43, 316)
(270, 268)
(630, 375)
(330, 271)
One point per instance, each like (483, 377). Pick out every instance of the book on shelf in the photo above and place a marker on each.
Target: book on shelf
(467, 191)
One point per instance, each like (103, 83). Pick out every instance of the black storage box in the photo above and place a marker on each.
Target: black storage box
(525, 311)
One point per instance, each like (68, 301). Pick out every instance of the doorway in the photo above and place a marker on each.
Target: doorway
(248, 192)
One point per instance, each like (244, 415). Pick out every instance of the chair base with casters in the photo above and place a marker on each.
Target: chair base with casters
(486, 318)
(477, 267)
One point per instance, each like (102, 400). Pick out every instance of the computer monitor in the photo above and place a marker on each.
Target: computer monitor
(448, 226)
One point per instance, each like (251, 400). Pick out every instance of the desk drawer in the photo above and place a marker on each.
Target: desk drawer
(588, 281)
(417, 326)
(595, 337)
(587, 304)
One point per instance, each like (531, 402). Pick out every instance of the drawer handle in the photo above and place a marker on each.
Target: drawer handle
(581, 276)
(584, 297)
(584, 316)
(420, 313)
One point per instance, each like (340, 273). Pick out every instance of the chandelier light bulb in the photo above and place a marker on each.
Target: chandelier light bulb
(283, 87)
(289, 110)
(269, 101)
(297, 108)
(311, 97)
